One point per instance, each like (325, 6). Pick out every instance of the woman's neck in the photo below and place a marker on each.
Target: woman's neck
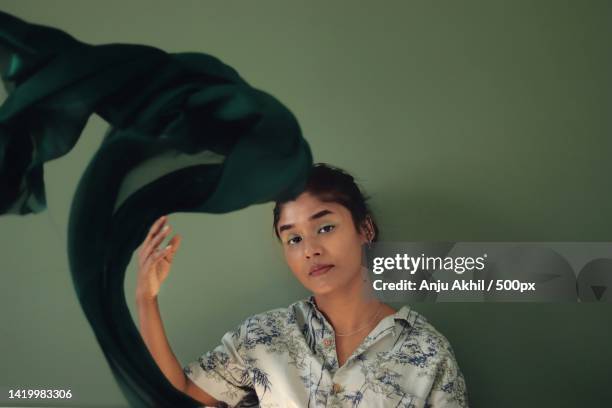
(351, 309)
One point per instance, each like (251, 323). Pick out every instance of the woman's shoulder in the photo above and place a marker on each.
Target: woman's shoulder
(278, 318)
(418, 330)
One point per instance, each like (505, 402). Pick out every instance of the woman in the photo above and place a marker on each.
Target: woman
(339, 347)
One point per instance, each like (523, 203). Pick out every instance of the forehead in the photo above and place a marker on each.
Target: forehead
(305, 205)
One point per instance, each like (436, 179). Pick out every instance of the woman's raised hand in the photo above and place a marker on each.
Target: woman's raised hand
(153, 262)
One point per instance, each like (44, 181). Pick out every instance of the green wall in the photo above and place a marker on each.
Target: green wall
(477, 120)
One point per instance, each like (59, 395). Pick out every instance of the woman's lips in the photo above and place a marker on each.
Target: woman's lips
(321, 271)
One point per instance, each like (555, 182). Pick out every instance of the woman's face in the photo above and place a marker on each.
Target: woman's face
(314, 233)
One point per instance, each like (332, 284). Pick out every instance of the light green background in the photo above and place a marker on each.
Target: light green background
(482, 120)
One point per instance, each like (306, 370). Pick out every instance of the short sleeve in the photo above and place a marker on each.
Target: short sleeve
(448, 389)
(222, 372)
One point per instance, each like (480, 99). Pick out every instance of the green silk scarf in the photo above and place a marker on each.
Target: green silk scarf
(187, 134)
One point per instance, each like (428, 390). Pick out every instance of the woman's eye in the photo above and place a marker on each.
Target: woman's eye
(324, 229)
(327, 228)
(293, 241)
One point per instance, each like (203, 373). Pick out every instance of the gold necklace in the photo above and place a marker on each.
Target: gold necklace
(364, 327)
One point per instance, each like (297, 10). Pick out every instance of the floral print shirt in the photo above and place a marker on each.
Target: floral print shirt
(287, 357)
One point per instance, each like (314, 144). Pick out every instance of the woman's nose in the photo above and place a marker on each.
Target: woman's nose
(312, 248)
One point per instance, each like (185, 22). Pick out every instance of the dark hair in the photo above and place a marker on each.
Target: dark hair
(332, 184)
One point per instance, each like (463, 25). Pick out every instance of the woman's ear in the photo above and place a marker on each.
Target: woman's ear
(368, 228)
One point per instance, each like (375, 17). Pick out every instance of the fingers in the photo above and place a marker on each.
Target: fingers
(158, 254)
(157, 225)
(149, 243)
(173, 245)
(158, 238)
(155, 256)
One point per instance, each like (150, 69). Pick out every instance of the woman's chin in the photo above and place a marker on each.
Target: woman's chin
(323, 288)
(327, 289)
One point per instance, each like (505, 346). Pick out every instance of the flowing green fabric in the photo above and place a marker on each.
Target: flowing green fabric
(187, 134)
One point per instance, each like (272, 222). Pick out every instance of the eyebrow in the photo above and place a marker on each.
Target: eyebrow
(314, 216)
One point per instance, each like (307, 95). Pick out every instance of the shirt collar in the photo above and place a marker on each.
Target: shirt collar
(402, 314)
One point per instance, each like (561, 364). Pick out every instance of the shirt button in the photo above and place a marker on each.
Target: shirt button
(327, 342)
(336, 388)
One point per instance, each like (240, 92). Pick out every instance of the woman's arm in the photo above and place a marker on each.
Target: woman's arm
(153, 268)
(154, 336)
